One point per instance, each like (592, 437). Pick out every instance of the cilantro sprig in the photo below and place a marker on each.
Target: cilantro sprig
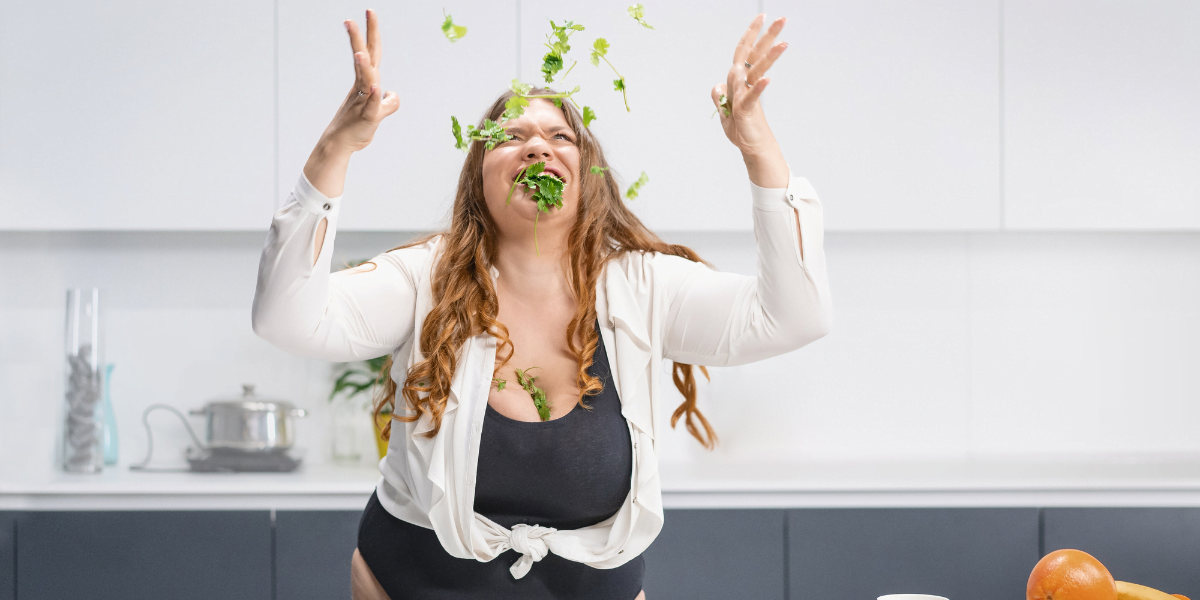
(638, 12)
(547, 191)
(636, 187)
(490, 134)
(558, 41)
(539, 396)
(722, 106)
(599, 52)
(453, 32)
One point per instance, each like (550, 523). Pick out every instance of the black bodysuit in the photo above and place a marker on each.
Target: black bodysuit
(565, 473)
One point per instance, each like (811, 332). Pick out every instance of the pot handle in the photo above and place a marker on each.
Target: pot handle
(198, 412)
(298, 412)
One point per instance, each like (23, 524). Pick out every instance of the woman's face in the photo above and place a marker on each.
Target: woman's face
(541, 134)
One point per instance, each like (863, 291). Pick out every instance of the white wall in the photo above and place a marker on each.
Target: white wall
(1009, 190)
(945, 345)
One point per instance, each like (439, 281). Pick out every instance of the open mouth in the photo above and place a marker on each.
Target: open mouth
(548, 169)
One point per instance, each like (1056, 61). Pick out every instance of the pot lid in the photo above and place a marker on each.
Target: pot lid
(248, 396)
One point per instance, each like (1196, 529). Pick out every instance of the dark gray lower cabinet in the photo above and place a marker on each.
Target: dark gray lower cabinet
(144, 554)
(1158, 547)
(959, 553)
(717, 554)
(765, 554)
(8, 556)
(312, 553)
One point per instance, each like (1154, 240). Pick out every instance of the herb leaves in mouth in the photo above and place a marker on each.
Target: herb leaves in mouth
(547, 191)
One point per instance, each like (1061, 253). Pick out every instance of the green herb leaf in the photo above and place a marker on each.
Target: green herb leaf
(457, 130)
(589, 115)
(619, 84)
(597, 169)
(539, 396)
(500, 383)
(514, 107)
(723, 106)
(521, 89)
(547, 191)
(453, 32)
(632, 192)
(551, 63)
(638, 12)
(599, 49)
(558, 43)
(491, 134)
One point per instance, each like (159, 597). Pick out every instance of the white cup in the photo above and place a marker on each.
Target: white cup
(911, 597)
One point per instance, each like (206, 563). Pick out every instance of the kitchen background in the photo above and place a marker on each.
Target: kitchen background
(1010, 194)
(1010, 197)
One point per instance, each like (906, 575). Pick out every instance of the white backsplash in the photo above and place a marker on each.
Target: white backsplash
(944, 345)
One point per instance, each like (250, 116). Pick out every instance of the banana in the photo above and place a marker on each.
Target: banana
(1133, 591)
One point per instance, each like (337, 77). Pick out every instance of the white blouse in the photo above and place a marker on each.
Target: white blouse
(650, 307)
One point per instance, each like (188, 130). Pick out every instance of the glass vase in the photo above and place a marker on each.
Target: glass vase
(82, 444)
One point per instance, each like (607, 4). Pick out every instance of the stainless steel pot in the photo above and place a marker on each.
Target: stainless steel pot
(249, 422)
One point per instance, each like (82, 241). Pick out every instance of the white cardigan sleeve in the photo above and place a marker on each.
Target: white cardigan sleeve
(354, 314)
(724, 319)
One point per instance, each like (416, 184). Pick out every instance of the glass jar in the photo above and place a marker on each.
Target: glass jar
(82, 445)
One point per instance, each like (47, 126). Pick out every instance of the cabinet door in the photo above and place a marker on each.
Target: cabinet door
(144, 554)
(959, 553)
(1101, 114)
(313, 549)
(891, 109)
(136, 115)
(1157, 547)
(406, 179)
(697, 178)
(8, 549)
(717, 554)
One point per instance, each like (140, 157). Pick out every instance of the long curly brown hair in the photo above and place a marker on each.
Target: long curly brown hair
(466, 303)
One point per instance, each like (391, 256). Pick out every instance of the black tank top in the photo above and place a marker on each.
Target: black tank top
(566, 473)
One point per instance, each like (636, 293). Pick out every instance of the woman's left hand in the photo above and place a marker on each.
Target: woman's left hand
(745, 125)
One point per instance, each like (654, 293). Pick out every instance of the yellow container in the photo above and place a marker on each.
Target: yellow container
(380, 421)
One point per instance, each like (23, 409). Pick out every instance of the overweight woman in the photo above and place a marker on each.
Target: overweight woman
(483, 496)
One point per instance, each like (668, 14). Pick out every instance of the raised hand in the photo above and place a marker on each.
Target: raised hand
(746, 125)
(354, 125)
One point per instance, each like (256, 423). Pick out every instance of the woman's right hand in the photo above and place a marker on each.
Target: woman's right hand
(354, 125)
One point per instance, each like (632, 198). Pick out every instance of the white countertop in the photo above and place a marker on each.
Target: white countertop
(1115, 481)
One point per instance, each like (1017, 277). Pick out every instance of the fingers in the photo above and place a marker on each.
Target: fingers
(374, 99)
(379, 104)
(374, 44)
(753, 93)
(768, 38)
(760, 67)
(747, 42)
(363, 74)
(356, 41)
(391, 103)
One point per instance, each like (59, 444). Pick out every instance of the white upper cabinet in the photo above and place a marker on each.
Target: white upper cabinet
(1102, 114)
(891, 110)
(406, 178)
(136, 115)
(697, 178)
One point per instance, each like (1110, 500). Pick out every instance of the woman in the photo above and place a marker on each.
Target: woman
(467, 315)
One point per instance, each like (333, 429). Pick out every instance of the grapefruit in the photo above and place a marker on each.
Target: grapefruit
(1070, 575)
